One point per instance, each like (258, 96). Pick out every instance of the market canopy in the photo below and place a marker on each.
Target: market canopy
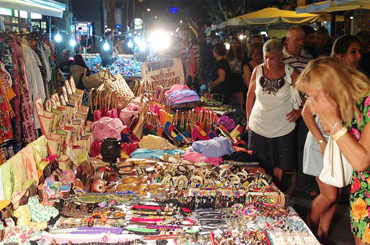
(269, 16)
(44, 7)
(334, 6)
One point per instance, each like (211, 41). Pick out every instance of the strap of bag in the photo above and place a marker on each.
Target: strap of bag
(288, 74)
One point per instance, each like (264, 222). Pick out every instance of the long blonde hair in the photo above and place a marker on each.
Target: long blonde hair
(345, 84)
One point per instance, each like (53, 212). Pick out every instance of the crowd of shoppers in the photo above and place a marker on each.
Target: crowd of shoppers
(333, 75)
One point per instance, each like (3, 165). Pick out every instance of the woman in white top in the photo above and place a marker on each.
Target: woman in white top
(270, 114)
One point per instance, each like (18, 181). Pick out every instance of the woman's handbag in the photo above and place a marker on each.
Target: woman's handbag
(337, 171)
(295, 96)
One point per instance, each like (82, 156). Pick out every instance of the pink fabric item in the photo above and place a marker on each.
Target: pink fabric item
(176, 87)
(112, 113)
(107, 127)
(196, 157)
(30, 164)
(95, 148)
(128, 113)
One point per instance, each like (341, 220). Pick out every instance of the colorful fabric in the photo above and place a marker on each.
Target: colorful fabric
(19, 171)
(39, 212)
(196, 157)
(360, 184)
(29, 163)
(2, 195)
(40, 150)
(23, 108)
(8, 179)
(23, 215)
(216, 147)
(19, 234)
(6, 112)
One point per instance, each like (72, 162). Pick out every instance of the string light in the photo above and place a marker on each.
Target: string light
(106, 46)
(58, 37)
(130, 44)
(72, 42)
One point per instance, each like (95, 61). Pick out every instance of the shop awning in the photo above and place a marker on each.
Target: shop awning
(269, 16)
(334, 6)
(44, 7)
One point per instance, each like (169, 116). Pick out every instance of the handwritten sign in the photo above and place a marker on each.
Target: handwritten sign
(164, 72)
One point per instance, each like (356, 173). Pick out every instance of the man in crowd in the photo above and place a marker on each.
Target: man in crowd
(190, 56)
(323, 41)
(257, 39)
(297, 57)
(310, 40)
(66, 62)
(364, 37)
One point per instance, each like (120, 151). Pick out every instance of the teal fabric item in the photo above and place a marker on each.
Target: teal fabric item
(153, 154)
(39, 212)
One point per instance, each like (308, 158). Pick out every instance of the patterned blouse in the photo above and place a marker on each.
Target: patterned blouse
(360, 186)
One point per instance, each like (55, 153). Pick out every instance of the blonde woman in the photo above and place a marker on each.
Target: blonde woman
(347, 50)
(339, 96)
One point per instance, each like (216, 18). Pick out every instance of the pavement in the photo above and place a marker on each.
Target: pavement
(340, 230)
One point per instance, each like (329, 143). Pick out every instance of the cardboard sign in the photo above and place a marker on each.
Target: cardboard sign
(164, 72)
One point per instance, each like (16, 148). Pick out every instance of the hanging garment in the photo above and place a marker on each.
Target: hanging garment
(35, 83)
(23, 106)
(20, 175)
(29, 163)
(8, 179)
(6, 130)
(2, 195)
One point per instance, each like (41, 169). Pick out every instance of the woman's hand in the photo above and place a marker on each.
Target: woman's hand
(326, 108)
(322, 147)
(293, 115)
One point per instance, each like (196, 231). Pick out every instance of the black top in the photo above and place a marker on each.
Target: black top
(64, 66)
(223, 88)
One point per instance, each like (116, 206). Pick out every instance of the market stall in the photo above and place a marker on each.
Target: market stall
(156, 166)
(125, 65)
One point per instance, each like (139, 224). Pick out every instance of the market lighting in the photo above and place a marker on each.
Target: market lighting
(351, 17)
(155, 17)
(227, 45)
(148, 9)
(142, 45)
(181, 21)
(58, 38)
(160, 40)
(72, 42)
(137, 40)
(106, 46)
(130, 44)
(241, 37)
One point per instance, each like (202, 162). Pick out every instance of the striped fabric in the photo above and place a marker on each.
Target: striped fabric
(298, 64)
(184, 52)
